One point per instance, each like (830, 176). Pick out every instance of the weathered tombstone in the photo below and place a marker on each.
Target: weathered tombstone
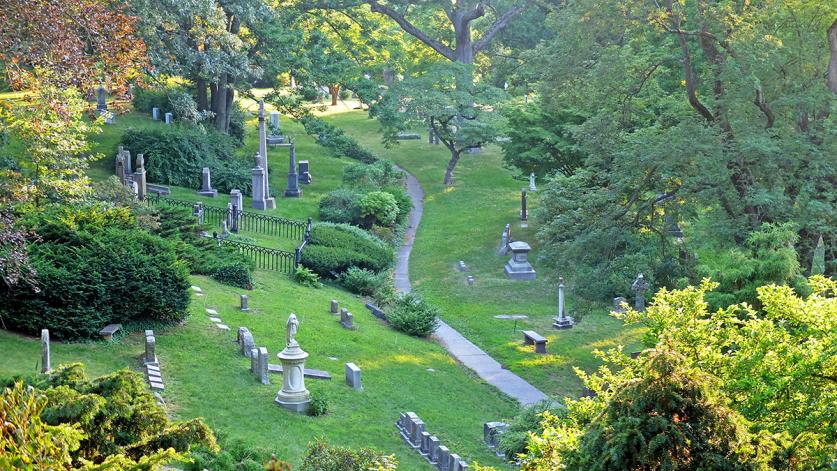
(150, 355)
(128, 164)
(259, 201)
(293, 395)
(140, 179)
(443, 460)
(640, 286)
(505, 240)
(343, 312)
(304, 173)
(247, 343)
(155, 114)
(347, 320)
(206, 184)
(240, 334)
(470, 280)
(416, 427)
(169, 118)
(245, 303)
(225, 230)
(518, 266)
(197, 211)
(353, 376)
(101, 104)
(274, 136)
(263, 362)
(532, 186)
(562, 321)
(462, 266)
(618, 304)
(424, 446)
(523, 213)
(254, 361)
(334, 306)
(491, 432)
(120, 169)
(293, 189)
(433, 449)
(46, 360)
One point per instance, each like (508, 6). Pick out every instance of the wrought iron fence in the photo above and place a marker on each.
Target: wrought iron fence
(265, 258)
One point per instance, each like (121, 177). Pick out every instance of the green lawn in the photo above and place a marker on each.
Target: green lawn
(464, 222)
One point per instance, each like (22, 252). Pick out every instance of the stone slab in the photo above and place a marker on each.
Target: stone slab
(212, 312)
(223, 327)
(215, 320)
(157, 386)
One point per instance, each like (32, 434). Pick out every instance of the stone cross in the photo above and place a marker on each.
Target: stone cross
(532, 186)
(523, 212)
(206, 184)
(46, 363)
(293, 189)
(245, 303)
(353, 376)
(640, 286)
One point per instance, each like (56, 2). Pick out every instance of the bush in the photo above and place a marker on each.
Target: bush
(234, 272)
(145, 99)
(414, 316)
(333, 248)
(332, 137)
(320, 456)
(403, 200)
(380, 174)
(319, 405)
(378, 207)
(237, 118)
(361, 281)
(516, 438)
(306, 277)
(175, 155)
(96, 267)
(235, 455)
(341, 206)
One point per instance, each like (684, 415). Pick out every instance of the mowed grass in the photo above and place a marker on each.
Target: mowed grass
(464, 222)
(206, 377)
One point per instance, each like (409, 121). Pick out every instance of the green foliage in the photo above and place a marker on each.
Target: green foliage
(234, 455)
(237, 125)
(332, 137)
(362, 282)
(380, 174)
(818, 260)
(235, 272)
(320, 456)
(306, 277)
(175, 155)
(146, 99)
(334, 248)
(341, 206)
(95, 267)
(515, 439)
(414, 316)
(379, 207)
(320, 405)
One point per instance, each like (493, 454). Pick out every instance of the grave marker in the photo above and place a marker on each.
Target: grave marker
(353, 376)
(46, 361)
(206, 184)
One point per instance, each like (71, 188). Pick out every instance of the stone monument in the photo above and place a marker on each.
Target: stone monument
(523, 213)
(206, 184)
(245, 303)
(46, 361)
(270, 203)
(562, 321)
(274, 136)
(293, 189)
(640, 286)
(155, 114)
(532, 186)
(140, 179)
(304, 173)
(353, 376)
(101, 104)
(237, 202)
(518, 267)
(505, 239)
(169, 118)
(293, 395)
(618, 304)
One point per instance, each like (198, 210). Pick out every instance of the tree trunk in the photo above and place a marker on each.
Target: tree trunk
(335, 92)
(203, 102)
(464, 52)
(832, 63)
(454, 158)
(230, 100)
(219, 104)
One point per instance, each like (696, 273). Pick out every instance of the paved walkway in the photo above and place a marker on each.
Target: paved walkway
(461, 348)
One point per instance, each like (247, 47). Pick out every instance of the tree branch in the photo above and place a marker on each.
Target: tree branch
(832, 63)
(498, 26)
(762, 105)
(691, 86)
(411, 29)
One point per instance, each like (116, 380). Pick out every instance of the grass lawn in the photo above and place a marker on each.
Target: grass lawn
(464, 222)
(206, 377)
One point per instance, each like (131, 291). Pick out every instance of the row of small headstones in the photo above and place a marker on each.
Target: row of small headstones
(152, 367)
(464, 268)
(428, 446)
(347, 319)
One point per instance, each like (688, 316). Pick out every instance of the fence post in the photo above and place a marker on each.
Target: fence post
(297, 257)
(234, 218)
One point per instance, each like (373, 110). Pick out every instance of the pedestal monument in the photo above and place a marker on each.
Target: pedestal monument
(293, 395)
(518, 267)
(563, 321)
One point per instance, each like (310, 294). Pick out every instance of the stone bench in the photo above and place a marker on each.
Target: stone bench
(530, 337)
(109, 330)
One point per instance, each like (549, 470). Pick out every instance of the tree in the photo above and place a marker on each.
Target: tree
(459, 111)
(79, 41)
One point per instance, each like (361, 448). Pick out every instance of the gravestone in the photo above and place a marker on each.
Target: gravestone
(169, 118)
(120, 168)
(155, 114)
(293, 395)
(505, 240)
(618, 304)
(562, 321)
(46, 360)
(518, 266)
(304, 173)
(258, 198)
(150, 346)
(353, 376)
(454, 461)
(274, 136)
(225, 231)
(247, 343)
(470, 280)
(424, 446)
(206, 184)
(293, 190)
(254, 361)
(523, 213)
(270, 203)
(263, 362)
(197, 211)
(240, 333)
(245, 303)
(140, 178)
(101, 104)
(491, 432)
(639, 286)
(532, 186)
(237, 205)
(443, 462)
(433, 449)
(347, 320)
(462, 267)
(128, 164)
(334, 306)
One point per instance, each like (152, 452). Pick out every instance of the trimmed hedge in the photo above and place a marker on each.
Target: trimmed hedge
(334, 248)
(341, 206)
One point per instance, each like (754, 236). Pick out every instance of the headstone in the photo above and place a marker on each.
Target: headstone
(640, 286)
(275, 120)
(258, 198)
(155, 114)
(618, 304)
(240, 334)
(225, 230)
(293, 395)
(334, 306)
(353, 376)
(462, 266)
(505, 240)
(247, 343)
(206, 184)
(237, 201)
(46, 361)
(491, 432)
(245, 303)
(347, 320)
(263, 362)
(270, 203)
(532, 186)
(470, 280)
(274, 136)
(304, 173)
(518, 266)
(150, 345)
(523, 213)
(416, 427)
(197, 211)
(128, 163)
(293, 189)
(254, 361)
(343, 312)
(140, 179)
(120, 169)
(101, 104)
(169, 118)
(424, 446)
(562, 321)
(443, 461)
(433, 449)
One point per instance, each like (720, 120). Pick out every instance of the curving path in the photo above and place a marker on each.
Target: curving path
(461, 348)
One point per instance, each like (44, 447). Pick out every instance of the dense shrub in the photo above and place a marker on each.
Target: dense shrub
(145, 99)
(402, 199)
(237, 118)
(235, 272)
(332, 137)
(414, 316)
(362, 281)
(516, 438)
(320, 456)
(235, 455)
(95, 267)
(334, 248)
(380, 174)
(320, 405)
(306, 277)
(175, 155)
(341, 205)
(378, 208)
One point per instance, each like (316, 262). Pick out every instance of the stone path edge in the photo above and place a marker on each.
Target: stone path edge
(455, 343)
